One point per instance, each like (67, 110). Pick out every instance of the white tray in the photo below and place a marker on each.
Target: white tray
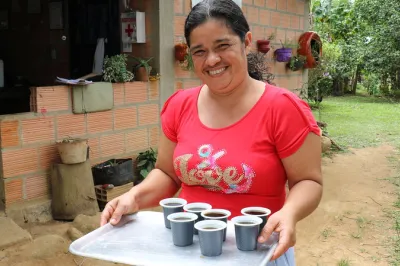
(142, 239)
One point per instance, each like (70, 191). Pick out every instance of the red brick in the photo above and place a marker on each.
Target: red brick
(280, 68)
(178, 85)
(37, 130)
(119, 94)
(154, 90)
(282, 5)
(265, 17)
(258, 33)
(294, 22)
(9, 133)
(179, 24)
(148, 114)
(154, 136)
(94, 148)
(292, 6)
(37, 186)
(70, 125)
(291, 36)
(137, 140)
(260, 3)
(301, 7)
(135, 92)
(112, 144)
(50, 99)
(13, 191)
(99, 122)
(248, 2)
(275, 19)
(301, 27)
(187, 6)
(271, 4)
(285, 21)
(181, 73)
(178, 6)
(252, 14)
(19, 162)
(125, 118)
(269, 31)
(280, 36)
(48, 155)
(191, 83)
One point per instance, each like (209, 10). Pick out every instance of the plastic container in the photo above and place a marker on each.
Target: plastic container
(115, 171)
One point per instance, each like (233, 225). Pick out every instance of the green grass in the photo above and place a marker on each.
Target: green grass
(359, 121)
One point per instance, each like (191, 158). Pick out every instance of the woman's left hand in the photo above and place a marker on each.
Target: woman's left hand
(283, 223)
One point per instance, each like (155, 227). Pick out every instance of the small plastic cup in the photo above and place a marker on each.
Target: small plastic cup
(247, 228)
(197, 208)
(261, 212)
(182, 227)
(217, 214)
(171, 205)
(211, 233)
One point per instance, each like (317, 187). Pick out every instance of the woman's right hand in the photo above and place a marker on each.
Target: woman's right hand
(113, 211)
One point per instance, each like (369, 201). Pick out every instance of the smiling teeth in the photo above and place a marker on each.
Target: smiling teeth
(216, 72)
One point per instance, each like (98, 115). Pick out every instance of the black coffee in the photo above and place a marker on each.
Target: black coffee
(214, 214)
(245, 223)
(256, 213)
(196, 209)
(172, 204)
(209, 228)
(182, 219)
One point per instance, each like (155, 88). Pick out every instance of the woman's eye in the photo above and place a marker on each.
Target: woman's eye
(198, 53)
(223, 46)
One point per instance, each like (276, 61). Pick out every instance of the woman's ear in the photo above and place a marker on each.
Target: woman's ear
(247, 42)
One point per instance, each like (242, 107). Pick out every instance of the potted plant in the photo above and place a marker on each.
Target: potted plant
(117, 172)
(187, 64)
(285, 53)
(142, 70)
(181, 51)
(73, 150)
(115, 69)
(145, 162)
(263, 45)
(296, 62)
(258, 67)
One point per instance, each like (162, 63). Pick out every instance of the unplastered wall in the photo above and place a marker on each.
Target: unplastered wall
(287, 19)
(28, 140)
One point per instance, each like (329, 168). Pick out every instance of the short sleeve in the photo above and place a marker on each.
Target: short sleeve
(170, 116)
(292, 122)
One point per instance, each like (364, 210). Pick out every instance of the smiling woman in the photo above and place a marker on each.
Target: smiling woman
(235, 141)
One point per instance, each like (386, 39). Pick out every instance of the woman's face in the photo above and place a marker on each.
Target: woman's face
(219, 56)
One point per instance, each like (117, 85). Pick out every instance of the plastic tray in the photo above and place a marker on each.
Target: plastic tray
(142, 239)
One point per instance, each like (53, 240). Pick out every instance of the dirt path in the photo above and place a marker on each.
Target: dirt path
(350, 225)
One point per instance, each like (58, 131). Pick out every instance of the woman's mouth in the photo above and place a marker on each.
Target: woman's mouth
(216, 72)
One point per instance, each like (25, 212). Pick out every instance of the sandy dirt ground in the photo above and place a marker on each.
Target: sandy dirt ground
(352, 225)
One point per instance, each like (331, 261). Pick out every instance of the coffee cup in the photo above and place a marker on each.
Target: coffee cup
(211, 233)
(217, 214)
(171, 205)
(182, 227)
(261, 212)
(197, 208)
(247, 228)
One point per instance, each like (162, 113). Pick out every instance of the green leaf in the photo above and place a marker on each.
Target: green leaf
(144, 173)
(141, 163)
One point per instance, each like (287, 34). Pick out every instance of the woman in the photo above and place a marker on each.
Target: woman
(235, 141)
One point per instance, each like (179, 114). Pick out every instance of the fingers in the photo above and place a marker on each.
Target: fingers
(120, 210)
(286, 240)
(267, 230)
(107, 212)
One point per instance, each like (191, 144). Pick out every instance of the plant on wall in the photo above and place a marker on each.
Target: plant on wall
(296, 62)
(188, 64)
(258, 67)
(142, 69)
(146, 162)
(285, 53)
(115, 69)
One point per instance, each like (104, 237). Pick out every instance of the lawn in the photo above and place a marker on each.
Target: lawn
(360, 121)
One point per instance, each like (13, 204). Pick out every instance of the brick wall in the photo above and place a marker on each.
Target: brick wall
(286, 18)
(28, 140)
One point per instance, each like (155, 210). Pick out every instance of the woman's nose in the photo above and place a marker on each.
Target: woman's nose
(213, 59)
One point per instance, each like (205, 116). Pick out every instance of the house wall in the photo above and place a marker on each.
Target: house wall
(28, 140)
(288, 19)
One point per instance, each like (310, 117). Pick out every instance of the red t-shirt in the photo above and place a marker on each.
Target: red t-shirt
(240, 165)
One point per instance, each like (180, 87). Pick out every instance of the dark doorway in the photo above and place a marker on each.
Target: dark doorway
(90, 20)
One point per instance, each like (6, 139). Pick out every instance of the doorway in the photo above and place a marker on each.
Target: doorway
(91, 20)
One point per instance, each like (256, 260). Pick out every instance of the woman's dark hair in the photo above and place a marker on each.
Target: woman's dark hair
(226, 11)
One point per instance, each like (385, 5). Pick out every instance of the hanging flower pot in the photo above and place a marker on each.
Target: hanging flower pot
(296, 62)
(311, 47)
(263, 46)
(180, 51)
(283, 54)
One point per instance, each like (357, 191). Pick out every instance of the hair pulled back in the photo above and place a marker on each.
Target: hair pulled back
(228, 12)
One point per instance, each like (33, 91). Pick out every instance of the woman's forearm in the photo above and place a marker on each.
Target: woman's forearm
(154, 188)
(303, 199)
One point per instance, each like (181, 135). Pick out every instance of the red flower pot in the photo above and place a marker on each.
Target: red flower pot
(263, 46)
(180, 51)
